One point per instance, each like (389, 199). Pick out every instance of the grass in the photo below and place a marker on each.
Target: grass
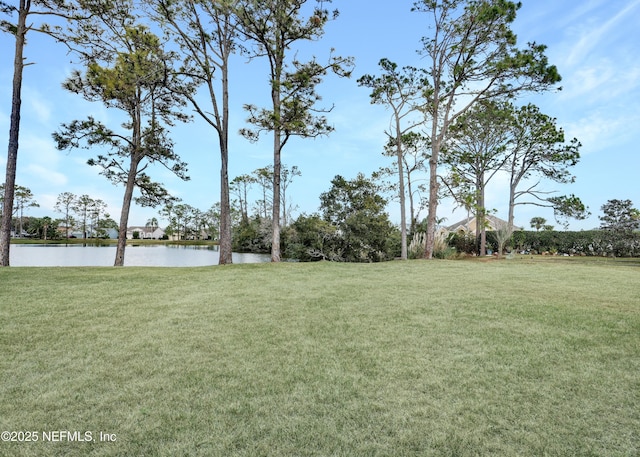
(520, 357)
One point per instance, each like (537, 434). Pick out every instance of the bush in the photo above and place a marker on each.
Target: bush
(359, 239)
(464, 244)
(588, 243)
(311, 238)
(417, 246)
(252, 236)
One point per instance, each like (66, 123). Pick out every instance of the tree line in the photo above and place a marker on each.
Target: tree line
(351, 225)
(474, 71)
(78, 212)
(128, 68)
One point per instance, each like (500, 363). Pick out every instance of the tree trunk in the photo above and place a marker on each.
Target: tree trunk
(14, 129)
(412, 227)
(481, 217)
(433, 202)
(277, 150)
(514, 181)
(275, 223)
(225, 247)
(225, 214)
(512, 204)
(66, 223)
(225, 205)
(124, 214)
(403, 216)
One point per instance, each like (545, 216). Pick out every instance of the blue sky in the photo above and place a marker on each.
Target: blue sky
(592, 42)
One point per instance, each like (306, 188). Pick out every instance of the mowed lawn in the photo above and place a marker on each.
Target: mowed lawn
(443, 358)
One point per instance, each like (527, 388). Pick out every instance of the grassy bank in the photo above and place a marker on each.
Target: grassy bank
(398, 359)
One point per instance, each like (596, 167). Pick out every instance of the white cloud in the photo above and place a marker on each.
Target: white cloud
(39, 149)
(37, 105)
(597, 35)
(47, 202)
(46, 175)
(599, 131)
(601, 82)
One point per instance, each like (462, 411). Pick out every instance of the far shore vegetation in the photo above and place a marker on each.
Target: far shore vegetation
(107, 241)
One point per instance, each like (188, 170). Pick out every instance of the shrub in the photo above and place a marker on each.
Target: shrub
(463, 243)
(417, 245)
(588, 243)
(311, 238)
(252, 236)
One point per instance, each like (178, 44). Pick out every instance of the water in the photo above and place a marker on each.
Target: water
(77, 255)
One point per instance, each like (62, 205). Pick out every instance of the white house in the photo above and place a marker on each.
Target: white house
(145, 233)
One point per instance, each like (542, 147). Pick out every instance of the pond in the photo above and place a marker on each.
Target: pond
(78, 255)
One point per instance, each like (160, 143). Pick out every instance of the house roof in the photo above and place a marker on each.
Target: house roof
(142, 228)
(469, 224)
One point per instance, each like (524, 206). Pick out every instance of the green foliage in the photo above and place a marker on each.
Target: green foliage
(568, 207)
(472, 55)
(40, 227)
(476, 150)
(252, 235)
(312, 238)
(402, 91)
(464, 243)
(537, 223)
(584, 243)
(540, 146)
(296, 114)
(135, 77)
(7, 26)
(620, 216)
(357, 211)
(273, 28)
(22, 198)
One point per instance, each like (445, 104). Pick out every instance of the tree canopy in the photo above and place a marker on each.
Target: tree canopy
(472, 55)
(126, 69)
(620, 216)
(456, 123)
(357, 211)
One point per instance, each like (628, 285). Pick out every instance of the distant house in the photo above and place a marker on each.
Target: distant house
(145, 233)
(64, 231)
(69, 232)
(468, 226)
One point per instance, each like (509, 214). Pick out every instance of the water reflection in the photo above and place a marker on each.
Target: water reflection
(79, 255)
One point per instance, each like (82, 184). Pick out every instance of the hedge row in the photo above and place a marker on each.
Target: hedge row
(587, 243)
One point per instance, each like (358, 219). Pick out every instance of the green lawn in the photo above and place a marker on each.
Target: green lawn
(445, 358)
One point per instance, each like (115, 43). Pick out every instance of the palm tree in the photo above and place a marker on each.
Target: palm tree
(538, 223)
(152, 224)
